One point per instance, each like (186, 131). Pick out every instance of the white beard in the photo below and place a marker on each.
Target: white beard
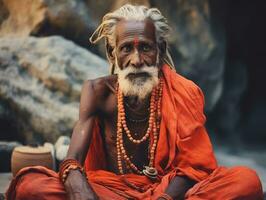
(139, 86)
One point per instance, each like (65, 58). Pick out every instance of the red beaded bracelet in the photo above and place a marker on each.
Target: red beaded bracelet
(66, 166)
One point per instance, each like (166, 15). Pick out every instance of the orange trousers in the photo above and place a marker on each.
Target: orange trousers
(236, 183)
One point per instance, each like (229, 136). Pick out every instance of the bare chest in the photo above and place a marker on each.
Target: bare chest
(138, 153)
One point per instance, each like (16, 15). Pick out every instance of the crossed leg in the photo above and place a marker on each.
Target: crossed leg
(236, 183)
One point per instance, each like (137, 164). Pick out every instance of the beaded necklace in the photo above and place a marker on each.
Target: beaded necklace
(152, 133)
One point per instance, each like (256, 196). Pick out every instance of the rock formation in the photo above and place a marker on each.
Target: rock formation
(69, 18)
(40, 83)
(197, 53)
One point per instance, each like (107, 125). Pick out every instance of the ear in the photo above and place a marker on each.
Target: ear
(110, 52)
(162, 47)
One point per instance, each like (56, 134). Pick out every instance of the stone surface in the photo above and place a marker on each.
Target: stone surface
(5, 179)
(197, 53)
(61, 152)
(40, 82)
(239, 116)
(69, 18)
(61, 147)
(52, 149)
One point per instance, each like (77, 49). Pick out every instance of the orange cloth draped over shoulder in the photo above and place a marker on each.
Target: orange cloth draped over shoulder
(183, 149)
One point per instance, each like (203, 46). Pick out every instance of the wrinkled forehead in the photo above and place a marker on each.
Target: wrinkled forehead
(128, 29)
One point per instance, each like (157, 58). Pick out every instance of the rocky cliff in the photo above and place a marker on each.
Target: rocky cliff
(40, 84)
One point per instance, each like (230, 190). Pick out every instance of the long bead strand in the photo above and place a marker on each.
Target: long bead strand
(153, 129)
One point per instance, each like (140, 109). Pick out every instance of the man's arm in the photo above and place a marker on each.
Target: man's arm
(76, 184)
(81, 136)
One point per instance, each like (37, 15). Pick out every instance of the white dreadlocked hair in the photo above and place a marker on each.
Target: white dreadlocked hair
(138, 13)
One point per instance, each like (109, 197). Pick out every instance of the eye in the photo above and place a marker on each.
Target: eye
(146, 47)
(126, 48)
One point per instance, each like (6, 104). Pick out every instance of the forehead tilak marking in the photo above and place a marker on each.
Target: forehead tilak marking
(136, 41)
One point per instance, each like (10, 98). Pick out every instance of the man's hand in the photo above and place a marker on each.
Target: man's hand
(178, 187)
(78, 188)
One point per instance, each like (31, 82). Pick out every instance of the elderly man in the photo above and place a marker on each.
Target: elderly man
(141, 132)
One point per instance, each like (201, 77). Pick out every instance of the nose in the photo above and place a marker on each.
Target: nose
(136, 60)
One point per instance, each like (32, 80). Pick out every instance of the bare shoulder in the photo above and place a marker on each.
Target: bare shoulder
(95, 92)
(101, 86)
(104, 85)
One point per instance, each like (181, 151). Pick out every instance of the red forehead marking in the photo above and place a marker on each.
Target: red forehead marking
(136, 41)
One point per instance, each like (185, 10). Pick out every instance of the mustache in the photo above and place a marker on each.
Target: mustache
(145, 71)
(138, 74)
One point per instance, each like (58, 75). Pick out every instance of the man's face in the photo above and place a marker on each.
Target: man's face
(136, 57)
(136, 44)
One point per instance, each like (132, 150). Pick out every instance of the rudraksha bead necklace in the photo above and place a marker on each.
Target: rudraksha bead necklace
(152, 131)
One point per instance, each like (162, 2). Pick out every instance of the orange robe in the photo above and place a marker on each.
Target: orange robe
(184, 149)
